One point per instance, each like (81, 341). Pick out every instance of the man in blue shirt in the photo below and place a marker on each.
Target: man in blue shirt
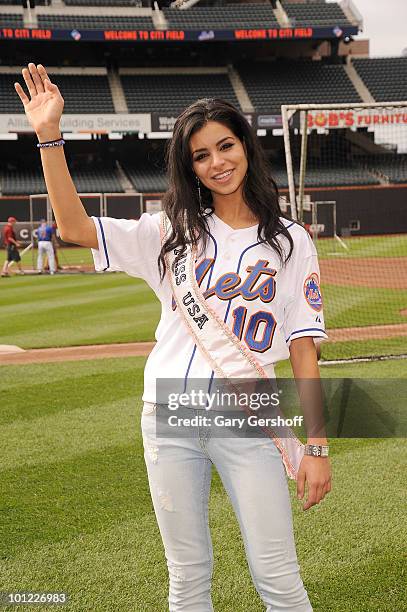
(44, 234)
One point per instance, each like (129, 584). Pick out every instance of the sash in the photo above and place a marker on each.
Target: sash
(227, 355)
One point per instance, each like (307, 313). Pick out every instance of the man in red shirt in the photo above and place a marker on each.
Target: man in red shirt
(11, 244)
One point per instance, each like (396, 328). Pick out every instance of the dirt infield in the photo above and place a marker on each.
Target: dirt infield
(135, 349)
(75, 353)
(371, 332)
(375, 272)
(387, 273)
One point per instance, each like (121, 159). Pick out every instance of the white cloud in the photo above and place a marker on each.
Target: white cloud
(384, 24)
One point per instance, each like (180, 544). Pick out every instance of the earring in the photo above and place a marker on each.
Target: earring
(201, 207)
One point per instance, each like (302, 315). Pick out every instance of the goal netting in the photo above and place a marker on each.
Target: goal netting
(347, 183)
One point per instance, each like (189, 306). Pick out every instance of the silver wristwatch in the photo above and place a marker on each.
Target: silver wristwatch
(316, 450)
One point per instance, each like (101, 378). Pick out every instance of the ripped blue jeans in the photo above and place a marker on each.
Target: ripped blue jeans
(253, 475)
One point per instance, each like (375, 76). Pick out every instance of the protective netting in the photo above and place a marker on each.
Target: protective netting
(348, 171)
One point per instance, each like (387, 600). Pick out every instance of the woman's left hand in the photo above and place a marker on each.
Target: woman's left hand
(316, 472)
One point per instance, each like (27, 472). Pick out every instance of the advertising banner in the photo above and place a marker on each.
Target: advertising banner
(161, 122)
(140, 36)
(91, 123)
(356, 118)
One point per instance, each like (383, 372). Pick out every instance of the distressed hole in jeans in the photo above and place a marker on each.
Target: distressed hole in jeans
(165, 500)
(152, 452)
(149, 408)
(176, 572)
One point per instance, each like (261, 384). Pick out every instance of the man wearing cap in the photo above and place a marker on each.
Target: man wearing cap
(11, 244)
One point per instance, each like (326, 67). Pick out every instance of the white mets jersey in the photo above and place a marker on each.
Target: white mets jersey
(266, 305)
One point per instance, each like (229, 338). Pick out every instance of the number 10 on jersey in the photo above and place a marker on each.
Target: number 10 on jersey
(250, 331)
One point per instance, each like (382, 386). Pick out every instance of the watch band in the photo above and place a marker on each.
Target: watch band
(316, 450)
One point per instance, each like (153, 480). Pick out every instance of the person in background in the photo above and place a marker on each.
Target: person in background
(55, 246)
(11, 244)
(44, 234)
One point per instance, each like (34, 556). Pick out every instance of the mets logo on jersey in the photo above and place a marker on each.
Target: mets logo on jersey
(312, 292)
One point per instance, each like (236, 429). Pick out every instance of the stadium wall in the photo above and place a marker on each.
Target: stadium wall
(379, 209)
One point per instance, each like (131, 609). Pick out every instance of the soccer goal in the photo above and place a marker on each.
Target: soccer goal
(347, 183)
(343, 145)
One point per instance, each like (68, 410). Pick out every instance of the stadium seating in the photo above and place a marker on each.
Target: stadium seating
(385, 77)
(328, 176)
(146, 177)
(173, 92)
(90, 22)
(18, 2)
(316, 14)
(391, 167)
(21, 182)
(95, 178)
(228, 16)
(91, 178)
(9, 101)
(149, 177)
(11, 20)
(286, 82)
(82, 94)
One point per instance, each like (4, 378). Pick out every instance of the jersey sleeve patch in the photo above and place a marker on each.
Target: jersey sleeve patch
(312, 292)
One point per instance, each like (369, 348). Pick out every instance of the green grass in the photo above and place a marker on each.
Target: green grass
(39, 312)
(390, 245)
(363, 348)
(359, 306)
(358, 246)
(70, 310)
(76, 513)
(71, 256)
(396, 368)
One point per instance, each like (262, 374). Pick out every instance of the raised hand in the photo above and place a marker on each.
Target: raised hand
(45, 107)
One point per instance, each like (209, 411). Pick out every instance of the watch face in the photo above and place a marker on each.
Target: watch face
(316, 451)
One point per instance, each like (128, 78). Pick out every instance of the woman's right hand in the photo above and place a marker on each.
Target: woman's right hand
(45, 108)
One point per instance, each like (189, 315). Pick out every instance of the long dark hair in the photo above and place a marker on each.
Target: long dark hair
(181, 201)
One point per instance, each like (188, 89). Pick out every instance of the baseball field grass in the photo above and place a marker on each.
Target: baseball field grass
(45, 311)
(389, 245)
(357, 246)
(66, 310)
(76, 514)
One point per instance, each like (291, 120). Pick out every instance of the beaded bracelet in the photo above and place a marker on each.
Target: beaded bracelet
(52, 143)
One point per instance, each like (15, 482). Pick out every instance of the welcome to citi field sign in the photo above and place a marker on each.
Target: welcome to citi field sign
(77, 35)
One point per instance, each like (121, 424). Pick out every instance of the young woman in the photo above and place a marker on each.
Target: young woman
(256, 287)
